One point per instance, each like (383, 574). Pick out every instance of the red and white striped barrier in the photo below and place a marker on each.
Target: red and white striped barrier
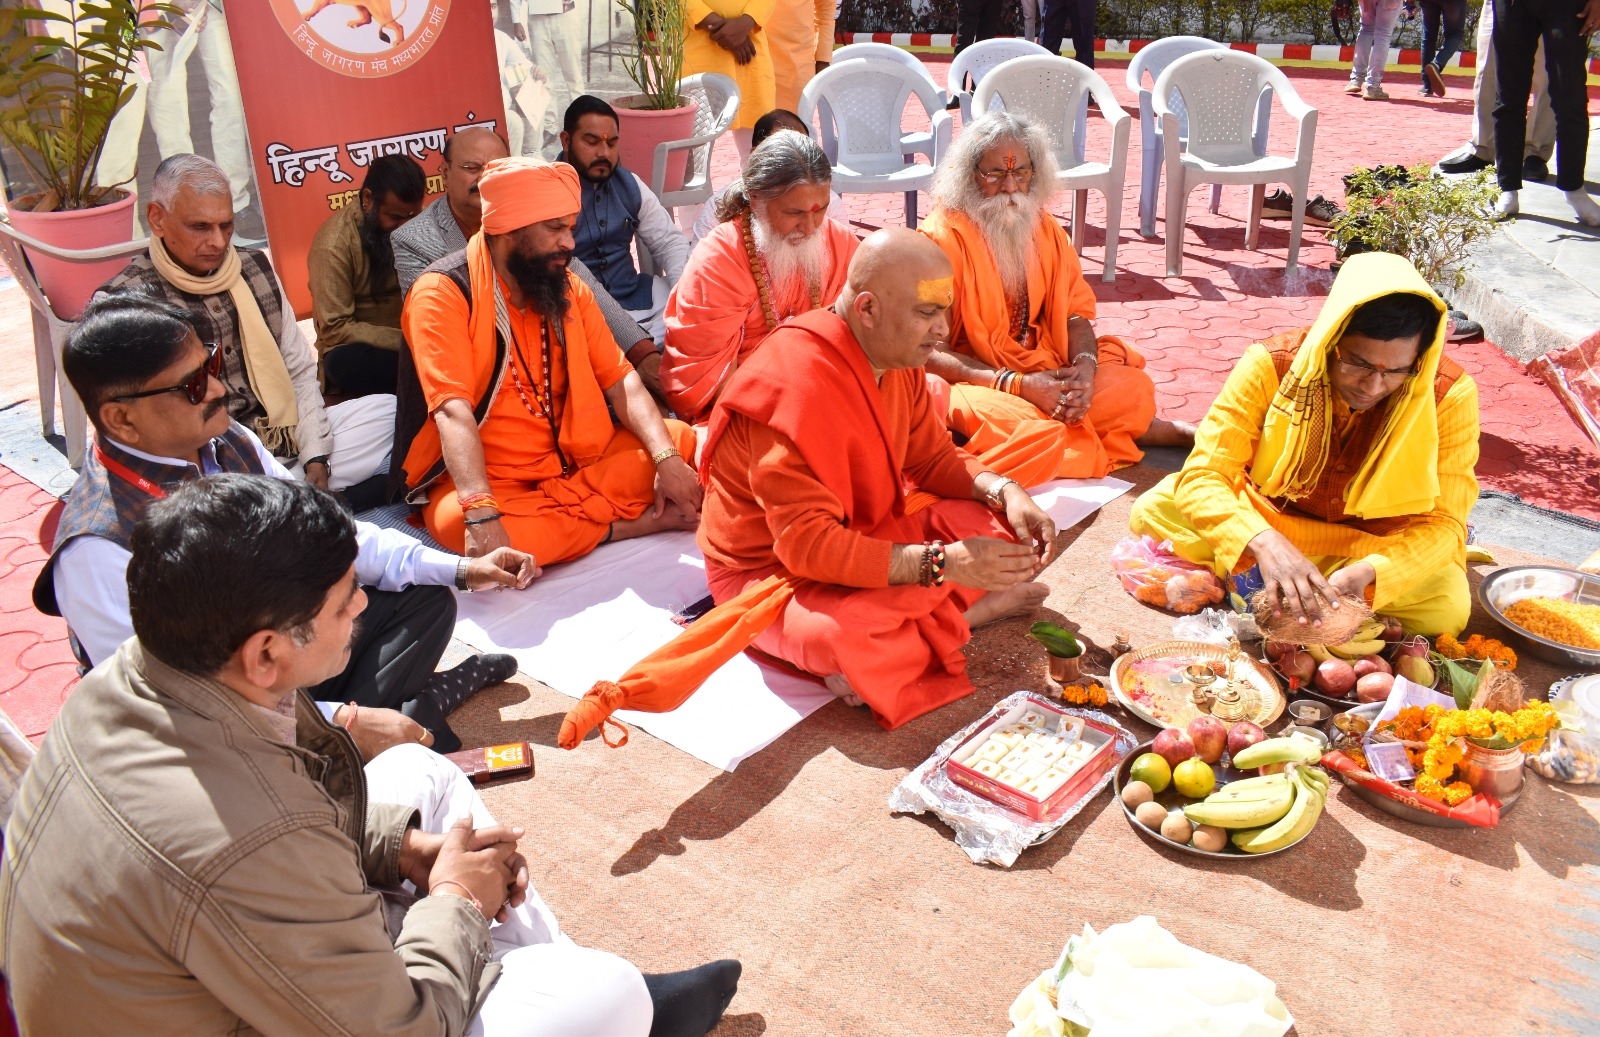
(1332, 53)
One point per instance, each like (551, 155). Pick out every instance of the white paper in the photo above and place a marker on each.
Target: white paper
(591, 619)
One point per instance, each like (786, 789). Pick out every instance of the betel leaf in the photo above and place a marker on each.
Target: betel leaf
(1461, 682)
(1058, 641)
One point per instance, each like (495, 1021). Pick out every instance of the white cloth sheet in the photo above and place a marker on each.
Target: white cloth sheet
(591, 619)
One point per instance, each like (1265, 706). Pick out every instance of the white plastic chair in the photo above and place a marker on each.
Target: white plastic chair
(864, 100)
(1222, 91)
(915, 142)
(717, 97)
(977, 60)
(1055, 93)
(1151, 62)
(50, 331)
(851, 51)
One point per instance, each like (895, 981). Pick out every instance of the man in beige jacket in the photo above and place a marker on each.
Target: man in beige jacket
(196, 850)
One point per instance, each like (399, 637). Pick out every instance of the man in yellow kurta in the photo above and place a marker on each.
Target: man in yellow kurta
(800, 36)
(729, 37)
(1339, 457)
(1033, 391)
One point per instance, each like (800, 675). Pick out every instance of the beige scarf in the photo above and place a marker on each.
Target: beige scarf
(263, 359)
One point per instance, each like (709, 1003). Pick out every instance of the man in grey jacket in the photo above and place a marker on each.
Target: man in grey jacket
(194, 850)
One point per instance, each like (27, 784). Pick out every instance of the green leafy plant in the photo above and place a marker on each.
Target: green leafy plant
(1430, 219)
(60, 92)
(655, 67)
(1058, 641)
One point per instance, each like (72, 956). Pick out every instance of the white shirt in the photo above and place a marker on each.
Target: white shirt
(706, 222)
(91, 574)
(658, 233)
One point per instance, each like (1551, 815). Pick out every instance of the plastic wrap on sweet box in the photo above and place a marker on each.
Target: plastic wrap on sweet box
(985, 830)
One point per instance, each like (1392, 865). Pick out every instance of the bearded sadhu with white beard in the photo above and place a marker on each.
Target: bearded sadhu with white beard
(774, 255)
(1034, 392)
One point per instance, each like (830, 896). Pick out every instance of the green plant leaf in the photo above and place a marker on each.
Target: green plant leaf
(1058, 641)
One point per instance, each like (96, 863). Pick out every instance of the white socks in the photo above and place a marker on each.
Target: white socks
(1507, 206)
(1588, 212)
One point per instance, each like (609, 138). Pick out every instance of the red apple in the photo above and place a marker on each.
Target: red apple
(1297, 667)
(1278, 649)
(1210, 737)
(1374, 687)
(1371, 664)
(1393, 631)
(1244, 734)
(1335, 678)
(1174, 745)
(1417, 646)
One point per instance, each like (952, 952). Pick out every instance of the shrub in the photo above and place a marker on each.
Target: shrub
(1430, 219)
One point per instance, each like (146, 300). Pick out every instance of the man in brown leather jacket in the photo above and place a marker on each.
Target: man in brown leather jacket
(194, 849)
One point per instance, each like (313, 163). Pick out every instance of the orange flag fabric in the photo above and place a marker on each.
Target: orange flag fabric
(663, 680)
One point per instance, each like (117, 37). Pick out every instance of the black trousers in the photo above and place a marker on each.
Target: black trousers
(1518, 26)
(1082, 14)
(357, 369)
(976, 20)
(402, 637)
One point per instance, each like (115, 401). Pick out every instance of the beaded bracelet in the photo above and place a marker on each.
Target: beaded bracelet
(938, 563)
(931, 573)
(474, 501)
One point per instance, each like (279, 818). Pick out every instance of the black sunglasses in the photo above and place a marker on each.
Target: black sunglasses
(193, 387)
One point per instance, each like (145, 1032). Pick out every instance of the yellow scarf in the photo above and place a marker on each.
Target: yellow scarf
(1400, 476)
(263, 359)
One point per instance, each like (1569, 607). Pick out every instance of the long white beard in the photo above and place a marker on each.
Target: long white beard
(1008, 222)
(793, 261)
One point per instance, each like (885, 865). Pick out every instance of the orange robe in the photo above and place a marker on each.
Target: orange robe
(715, 319)
(553, 515)
(807, 466)
(1005, 431)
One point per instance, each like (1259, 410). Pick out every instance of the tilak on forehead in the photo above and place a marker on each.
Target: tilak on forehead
(940, 291)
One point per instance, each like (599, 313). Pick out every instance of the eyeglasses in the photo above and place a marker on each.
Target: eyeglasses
(193, 387)
(996, 177)
(1358, 368)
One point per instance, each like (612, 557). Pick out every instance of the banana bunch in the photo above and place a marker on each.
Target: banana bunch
(1272, 751)
(1310, 795)
(1366, 641)
(1251, 803)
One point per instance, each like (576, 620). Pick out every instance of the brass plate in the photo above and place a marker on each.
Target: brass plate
(1262, 693)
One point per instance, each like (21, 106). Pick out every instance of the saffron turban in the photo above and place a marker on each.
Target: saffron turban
(519, 192)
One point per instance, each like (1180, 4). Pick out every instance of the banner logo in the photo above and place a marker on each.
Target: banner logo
(363, 38)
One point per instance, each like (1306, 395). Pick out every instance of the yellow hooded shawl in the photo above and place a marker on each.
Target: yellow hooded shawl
(1400, 476)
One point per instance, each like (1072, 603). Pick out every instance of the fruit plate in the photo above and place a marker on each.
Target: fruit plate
(1170, 799)
(1141, 682)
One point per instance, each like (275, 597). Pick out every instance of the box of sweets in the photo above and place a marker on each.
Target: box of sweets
(1034, 759)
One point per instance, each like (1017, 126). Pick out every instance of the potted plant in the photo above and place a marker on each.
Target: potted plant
(1430, 219)
(60, 90)
(658, 112)
(1066, 651)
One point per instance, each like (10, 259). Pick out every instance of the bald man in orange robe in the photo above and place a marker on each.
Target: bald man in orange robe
(774, 256)
(517, 366)
(1033, 389)
(811, 452)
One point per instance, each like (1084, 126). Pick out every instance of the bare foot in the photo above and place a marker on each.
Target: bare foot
(841, 687)
(1013, 601)
(1167, 433)
(671, 518)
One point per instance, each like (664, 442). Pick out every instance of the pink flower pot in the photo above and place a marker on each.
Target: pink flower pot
(69, 285)
(641, 130)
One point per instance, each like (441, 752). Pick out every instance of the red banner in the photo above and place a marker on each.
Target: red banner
(329, 88)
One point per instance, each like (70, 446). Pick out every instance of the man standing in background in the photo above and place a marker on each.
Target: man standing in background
(550, 29)
(801, 38)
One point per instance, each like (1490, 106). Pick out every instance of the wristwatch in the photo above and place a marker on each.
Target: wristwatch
(461, 577)
(995, 495)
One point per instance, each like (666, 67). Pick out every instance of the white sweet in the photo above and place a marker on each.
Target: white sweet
(990, 750)
(989, 768)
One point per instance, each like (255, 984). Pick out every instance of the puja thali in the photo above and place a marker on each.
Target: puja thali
(1155, 684)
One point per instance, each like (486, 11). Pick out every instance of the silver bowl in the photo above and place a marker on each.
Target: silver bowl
(1505, 587)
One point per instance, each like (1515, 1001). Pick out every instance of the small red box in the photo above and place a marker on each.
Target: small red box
(1093, 769)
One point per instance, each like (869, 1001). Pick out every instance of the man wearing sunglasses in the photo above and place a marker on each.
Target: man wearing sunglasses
(1338, 459)
(152, 391)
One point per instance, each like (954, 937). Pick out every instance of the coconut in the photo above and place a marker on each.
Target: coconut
(1337, 625)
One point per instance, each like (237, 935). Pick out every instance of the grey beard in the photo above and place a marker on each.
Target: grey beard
(1008, 222)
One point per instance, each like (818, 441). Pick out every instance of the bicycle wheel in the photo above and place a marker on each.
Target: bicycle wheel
(1345, 21)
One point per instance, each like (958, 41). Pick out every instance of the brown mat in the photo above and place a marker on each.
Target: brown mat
(851, 920)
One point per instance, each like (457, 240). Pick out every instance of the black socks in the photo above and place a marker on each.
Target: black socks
(691, 1002)
(450, 689)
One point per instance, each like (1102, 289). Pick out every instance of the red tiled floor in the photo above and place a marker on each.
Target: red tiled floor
(1191, 330)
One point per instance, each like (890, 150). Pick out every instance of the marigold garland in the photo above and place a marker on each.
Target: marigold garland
(1443, 732)
(1084, 695)
(1477, 647)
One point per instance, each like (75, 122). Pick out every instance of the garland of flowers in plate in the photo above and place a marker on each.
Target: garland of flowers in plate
(758, 270)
